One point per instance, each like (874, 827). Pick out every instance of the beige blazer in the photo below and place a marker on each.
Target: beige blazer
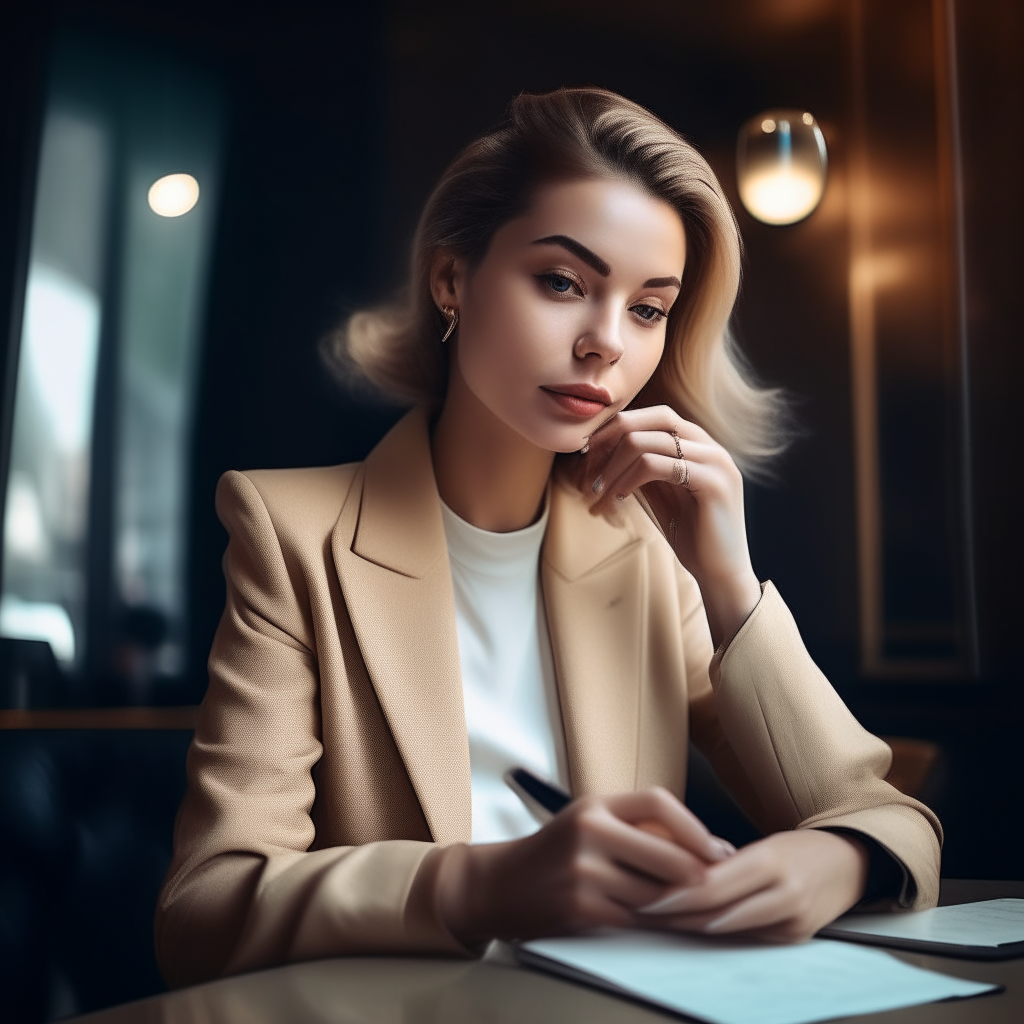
(330, 759)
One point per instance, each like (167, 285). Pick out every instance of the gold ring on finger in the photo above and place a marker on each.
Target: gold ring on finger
(679, 447)
(681, 472)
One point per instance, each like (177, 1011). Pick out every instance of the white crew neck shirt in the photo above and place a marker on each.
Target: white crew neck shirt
(508, 675)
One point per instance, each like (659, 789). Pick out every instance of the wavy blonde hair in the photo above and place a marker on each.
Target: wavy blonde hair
(557, 136)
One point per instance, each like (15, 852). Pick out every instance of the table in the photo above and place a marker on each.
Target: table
(393, 990)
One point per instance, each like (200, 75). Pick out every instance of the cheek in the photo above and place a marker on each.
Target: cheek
(513, 336)
(643, 349)
(651, 350)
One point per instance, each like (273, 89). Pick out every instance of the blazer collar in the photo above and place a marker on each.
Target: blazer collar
(400, 526)
(391, 555)
(577, 542)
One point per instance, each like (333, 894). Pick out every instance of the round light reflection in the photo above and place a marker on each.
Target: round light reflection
(173, 195)
(781, 162)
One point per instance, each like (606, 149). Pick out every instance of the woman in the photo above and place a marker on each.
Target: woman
(544, 563)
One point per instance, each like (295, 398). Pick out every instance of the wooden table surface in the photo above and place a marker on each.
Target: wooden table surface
(390, 990)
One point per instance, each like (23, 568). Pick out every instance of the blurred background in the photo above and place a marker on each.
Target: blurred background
(192, 196)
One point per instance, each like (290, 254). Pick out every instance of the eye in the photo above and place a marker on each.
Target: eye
(649, 314)
(560, 283)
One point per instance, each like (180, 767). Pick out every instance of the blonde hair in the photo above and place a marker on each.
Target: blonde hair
(561, 135)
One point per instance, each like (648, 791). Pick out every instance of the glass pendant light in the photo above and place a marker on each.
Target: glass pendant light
(781, 163)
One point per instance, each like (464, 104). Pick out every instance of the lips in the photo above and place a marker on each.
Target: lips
(579, 400)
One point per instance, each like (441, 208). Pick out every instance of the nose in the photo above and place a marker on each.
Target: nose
(601, 339)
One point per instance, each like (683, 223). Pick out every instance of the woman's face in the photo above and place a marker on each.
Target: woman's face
(563, 321)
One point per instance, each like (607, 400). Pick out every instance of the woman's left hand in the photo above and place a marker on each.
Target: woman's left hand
(698, 501)
(783, 888)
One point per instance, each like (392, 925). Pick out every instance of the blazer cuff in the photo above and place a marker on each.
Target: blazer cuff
(888, 878)
(425, 926)
(911, 849)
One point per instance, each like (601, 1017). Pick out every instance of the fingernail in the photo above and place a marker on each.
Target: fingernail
(724, 848)
(718, 924)
(674, 902)
(598, 485)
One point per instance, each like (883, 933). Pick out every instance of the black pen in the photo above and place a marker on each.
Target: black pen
(536, 793)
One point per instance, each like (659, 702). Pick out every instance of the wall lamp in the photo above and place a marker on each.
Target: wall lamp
(781, 162)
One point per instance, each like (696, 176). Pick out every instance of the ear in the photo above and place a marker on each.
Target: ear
(445, 279)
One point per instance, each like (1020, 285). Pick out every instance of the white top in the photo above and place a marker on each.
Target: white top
(508, 676)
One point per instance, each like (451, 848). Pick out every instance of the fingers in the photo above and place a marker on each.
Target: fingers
(637, 850)
(645, 468)
(655, 417)
(626, 849)
(650, 834)
(623, 886)
(748, 872)
(769, 915)
(655, 420)
(760, 892)
(659, 806)
(638, 447)
(649, 442)
(771, 906)
(657, 829)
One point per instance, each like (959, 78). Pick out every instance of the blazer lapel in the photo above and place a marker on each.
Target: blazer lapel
(593, 577)
(391, 556)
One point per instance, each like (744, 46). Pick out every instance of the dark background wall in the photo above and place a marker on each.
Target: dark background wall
(341, 118)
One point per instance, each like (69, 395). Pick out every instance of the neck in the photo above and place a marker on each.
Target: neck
(486, 473)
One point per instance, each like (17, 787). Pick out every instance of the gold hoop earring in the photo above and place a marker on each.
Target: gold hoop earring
(452, 316)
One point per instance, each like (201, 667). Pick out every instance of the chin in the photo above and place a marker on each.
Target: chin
(563, 438)
(556, 439)
(562, 441)
(549, 433)
(568, 449)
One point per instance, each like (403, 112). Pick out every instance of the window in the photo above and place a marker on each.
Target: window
(95, 524)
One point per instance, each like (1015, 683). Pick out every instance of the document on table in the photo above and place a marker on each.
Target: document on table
(727, 982)
(989, 930)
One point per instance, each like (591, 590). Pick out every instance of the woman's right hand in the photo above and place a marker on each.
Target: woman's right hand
(595, 863)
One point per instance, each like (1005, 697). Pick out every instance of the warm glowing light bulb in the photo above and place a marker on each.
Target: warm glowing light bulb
(782, 196)
(780, 166)
(173, 195)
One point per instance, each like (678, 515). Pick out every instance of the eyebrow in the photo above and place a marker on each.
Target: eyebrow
(593, 260)
(577, 249)
(662, 282)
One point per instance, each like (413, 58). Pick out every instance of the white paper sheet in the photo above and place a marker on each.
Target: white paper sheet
(989, 923)
(752, 984)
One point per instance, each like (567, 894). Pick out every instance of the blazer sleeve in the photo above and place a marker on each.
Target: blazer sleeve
(244, 890)
(783, 742)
